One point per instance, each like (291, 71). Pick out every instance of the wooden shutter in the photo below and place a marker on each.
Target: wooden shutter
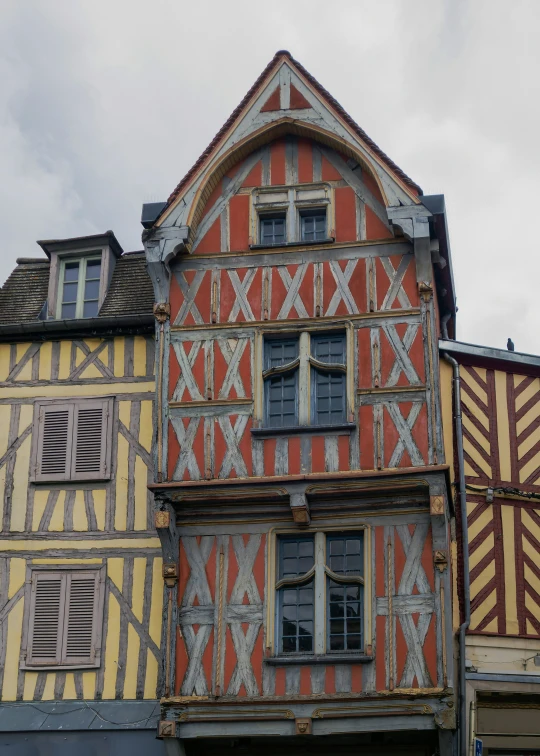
(46, 618)
(81, 612)
(91, 442)
(54, 434)
(66, 614)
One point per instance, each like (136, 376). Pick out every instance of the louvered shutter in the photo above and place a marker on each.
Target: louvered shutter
(46, 618)
(91, 443)
(55, 432)
(81, 615)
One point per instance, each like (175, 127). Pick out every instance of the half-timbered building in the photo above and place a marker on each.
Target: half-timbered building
(80, 563)
(496, 468)
(300, 469)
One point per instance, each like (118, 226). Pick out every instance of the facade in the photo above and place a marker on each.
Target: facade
(301, 477)
(80, 562)
(500, 406)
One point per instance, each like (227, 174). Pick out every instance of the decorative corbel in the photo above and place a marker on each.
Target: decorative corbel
(299, 505)
(413, 220)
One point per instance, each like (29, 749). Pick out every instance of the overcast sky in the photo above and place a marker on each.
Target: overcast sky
(105, 104)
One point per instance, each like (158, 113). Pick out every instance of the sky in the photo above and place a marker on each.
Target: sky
(105, 104)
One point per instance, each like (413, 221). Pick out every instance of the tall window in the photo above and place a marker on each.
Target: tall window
(287, 365)
(273, 228)
(79, 290)
(313, 225)
(320, 593)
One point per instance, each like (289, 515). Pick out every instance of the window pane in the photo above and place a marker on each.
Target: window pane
(296, 621)
(91, 289)
(345, 601)
(70, 292)
(296, 558)
(273, 229)
(329, 391)
(280, 393)
(68, 311)
(93, 269)
(71, 271)
(313, 225)
(329, 348)
(279, 353)
(90, 309)
(345, 555)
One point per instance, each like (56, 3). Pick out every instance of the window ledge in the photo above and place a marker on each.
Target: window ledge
(329, 240)
(279, 661)
(293, 430)
(57, 667)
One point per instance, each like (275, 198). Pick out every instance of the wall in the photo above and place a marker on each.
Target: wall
(107, 523)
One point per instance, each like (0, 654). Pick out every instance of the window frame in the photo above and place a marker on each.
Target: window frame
(73, 405)
(312, 212)
(83, 261)
(321, 652)
(306, 412)
(26, 657)
(278, 214)
(293, 201)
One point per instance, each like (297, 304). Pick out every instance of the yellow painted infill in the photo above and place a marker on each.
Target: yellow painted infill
(484, 548)
(150, 682)
(130, 682)
(483, 610)
(139, 356)
(531, 605)
(139, 569)
(529, 468)
(141, 494)
(17, 576)
(70, 694)
(146, 426)
(8, 544)
(475, 387)
(157, 603)
(40, 502)
(69, 389)
(80, 520)
(492, 627)
(112, 649)
(477, 458)
(479, 371)
(30, 679)
(11, 668)
(100, 504)
(530, 629)
(483, 579)
(528, 418)
(57, 519)
(509, 551)
(45, 361)
(478, 437)
(533, 581)
(89, 685)
(518, 379)
(469, 405)
(530, 524)
(4, 361)
(530, 550)
(91, 371)
(530, 441)
(115, 571)
(65, 360)
(5, 414)
(48, 691)
(120, 517)
(527, 394)
(480, 523)
(20, 485)
(124, 409)
(119, 350)
(503, 427)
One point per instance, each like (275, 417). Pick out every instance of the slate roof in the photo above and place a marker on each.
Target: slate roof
(324, 93)
(24, 293)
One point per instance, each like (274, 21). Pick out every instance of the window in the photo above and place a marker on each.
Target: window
(287, 364)
(72, 440)
(320, 593)
(273, 229)
(79, 287)
(65, 617)
(313, 225)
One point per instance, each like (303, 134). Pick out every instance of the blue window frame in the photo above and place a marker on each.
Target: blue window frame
(342, 577)
(328, 386)
(273, 228)
(281, 382)
(313, 225)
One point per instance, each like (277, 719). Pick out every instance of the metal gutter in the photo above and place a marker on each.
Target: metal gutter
(487, 677)
(489, 353)
(462, 722)
(83, 326)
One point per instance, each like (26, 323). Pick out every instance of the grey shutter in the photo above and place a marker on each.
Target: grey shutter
(81, 617)
(55, 429)
(46, 618)
(91, 440)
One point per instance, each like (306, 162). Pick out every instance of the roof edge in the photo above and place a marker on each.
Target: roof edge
(492, 354)
(114, 324)
(78, 242)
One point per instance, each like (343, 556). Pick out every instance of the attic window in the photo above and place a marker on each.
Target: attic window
(79, 287)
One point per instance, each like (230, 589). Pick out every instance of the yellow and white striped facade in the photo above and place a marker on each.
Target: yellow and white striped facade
(103, 523)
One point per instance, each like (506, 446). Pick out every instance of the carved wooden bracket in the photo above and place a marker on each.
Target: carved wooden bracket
(303, 726)
(162, 311)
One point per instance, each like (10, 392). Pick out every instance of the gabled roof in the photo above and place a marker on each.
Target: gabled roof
(330, 101)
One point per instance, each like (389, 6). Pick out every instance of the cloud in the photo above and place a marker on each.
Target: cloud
(105, 105)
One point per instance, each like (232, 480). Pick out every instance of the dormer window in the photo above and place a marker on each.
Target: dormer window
(80, 287)
(289, 215)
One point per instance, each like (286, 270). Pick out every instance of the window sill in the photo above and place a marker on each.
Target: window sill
(279, 661)
(57, 667)
(293, 430)
(329, 240)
